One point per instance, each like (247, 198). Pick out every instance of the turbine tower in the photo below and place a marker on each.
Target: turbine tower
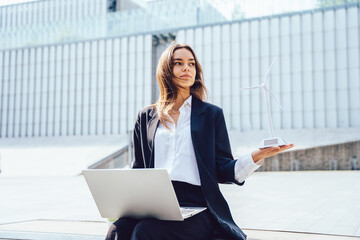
(272, 140)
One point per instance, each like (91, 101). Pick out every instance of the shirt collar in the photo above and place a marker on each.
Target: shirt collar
(186, 103)
(188, 100)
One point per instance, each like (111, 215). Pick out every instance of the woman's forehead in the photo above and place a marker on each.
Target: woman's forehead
(182, 53)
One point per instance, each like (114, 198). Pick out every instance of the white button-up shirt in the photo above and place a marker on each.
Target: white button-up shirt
(174, 151)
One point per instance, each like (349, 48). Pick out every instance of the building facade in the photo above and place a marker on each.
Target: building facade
(96, 87)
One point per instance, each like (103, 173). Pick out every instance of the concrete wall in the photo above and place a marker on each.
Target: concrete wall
(345, 156)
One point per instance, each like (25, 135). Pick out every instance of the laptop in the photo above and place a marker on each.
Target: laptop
(137, 193)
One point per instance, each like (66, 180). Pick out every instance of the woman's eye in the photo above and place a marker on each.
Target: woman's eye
(177, 63)
(192, 64)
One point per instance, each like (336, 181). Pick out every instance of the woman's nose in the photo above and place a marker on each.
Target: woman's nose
(186, 67)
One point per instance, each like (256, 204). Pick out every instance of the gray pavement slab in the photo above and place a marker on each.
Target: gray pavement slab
(314, 201)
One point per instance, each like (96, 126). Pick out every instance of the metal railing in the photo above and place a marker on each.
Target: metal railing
(119, 159)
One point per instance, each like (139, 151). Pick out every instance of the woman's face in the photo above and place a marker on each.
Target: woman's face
(184, 68)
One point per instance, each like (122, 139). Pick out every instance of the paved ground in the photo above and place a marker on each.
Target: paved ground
(55, 156)
(312, 202)
(40, 197)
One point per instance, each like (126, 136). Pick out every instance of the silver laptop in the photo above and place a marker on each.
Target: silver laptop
(137, 193)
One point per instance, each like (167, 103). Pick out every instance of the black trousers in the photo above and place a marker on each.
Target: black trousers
(198, 227)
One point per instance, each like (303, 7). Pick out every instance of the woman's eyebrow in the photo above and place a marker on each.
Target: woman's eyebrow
(180, 59)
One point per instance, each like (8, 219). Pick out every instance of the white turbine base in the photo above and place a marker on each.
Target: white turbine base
(272, 142)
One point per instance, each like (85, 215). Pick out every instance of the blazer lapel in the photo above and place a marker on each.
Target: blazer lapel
(152, 125)
(196, 122)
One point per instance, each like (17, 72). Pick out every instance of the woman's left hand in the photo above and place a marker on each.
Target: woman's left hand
(268, 152)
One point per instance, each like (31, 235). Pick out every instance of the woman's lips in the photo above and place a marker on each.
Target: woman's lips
(186, 76)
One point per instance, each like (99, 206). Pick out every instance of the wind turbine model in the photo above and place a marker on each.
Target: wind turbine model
(271, 141)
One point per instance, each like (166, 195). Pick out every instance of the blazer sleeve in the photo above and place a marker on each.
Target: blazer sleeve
(138, 161)
(225, 162)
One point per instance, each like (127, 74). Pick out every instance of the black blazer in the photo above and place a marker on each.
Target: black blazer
(212, 150)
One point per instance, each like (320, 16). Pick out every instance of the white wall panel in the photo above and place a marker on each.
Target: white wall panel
(330, 70)
(275, 80)
(285, 61)
(307, 71)
(216, 76)
(51, 92)
(93, 88)
(86, 89)
(18, 94)
(124, 86)
(116, 104)
(342, 92)
(319, 78)
(38, 89)
(208, 60)
(79, 89)
(198, 45)
(65, 91)
(44, 91)
(245, 76)
(8, 18)
(342, 100)
(25, 92)
(132, 78)
(3, 17)
(353, 30)
(139, 81)
(256, 95)
(100, 105)
(58, 90)
(296, 76)
(109, 91)
(354, 97)
(226, 78)
(4, 90)
(71, 90)
(265, 62)
(189, 37)
(180, 36)
(148, 70)
(30, 113)
(235, 76)
(12, 97)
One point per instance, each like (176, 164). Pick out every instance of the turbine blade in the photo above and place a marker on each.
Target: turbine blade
(247, 88)
(268, 72)
(271, 93)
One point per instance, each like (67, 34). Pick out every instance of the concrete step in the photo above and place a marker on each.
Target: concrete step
(87, 230)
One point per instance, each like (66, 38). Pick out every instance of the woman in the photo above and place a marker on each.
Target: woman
(188, 137)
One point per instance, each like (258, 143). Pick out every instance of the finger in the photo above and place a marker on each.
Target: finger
(285, 147)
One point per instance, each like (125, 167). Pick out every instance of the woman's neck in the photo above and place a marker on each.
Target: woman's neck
(181, 97)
